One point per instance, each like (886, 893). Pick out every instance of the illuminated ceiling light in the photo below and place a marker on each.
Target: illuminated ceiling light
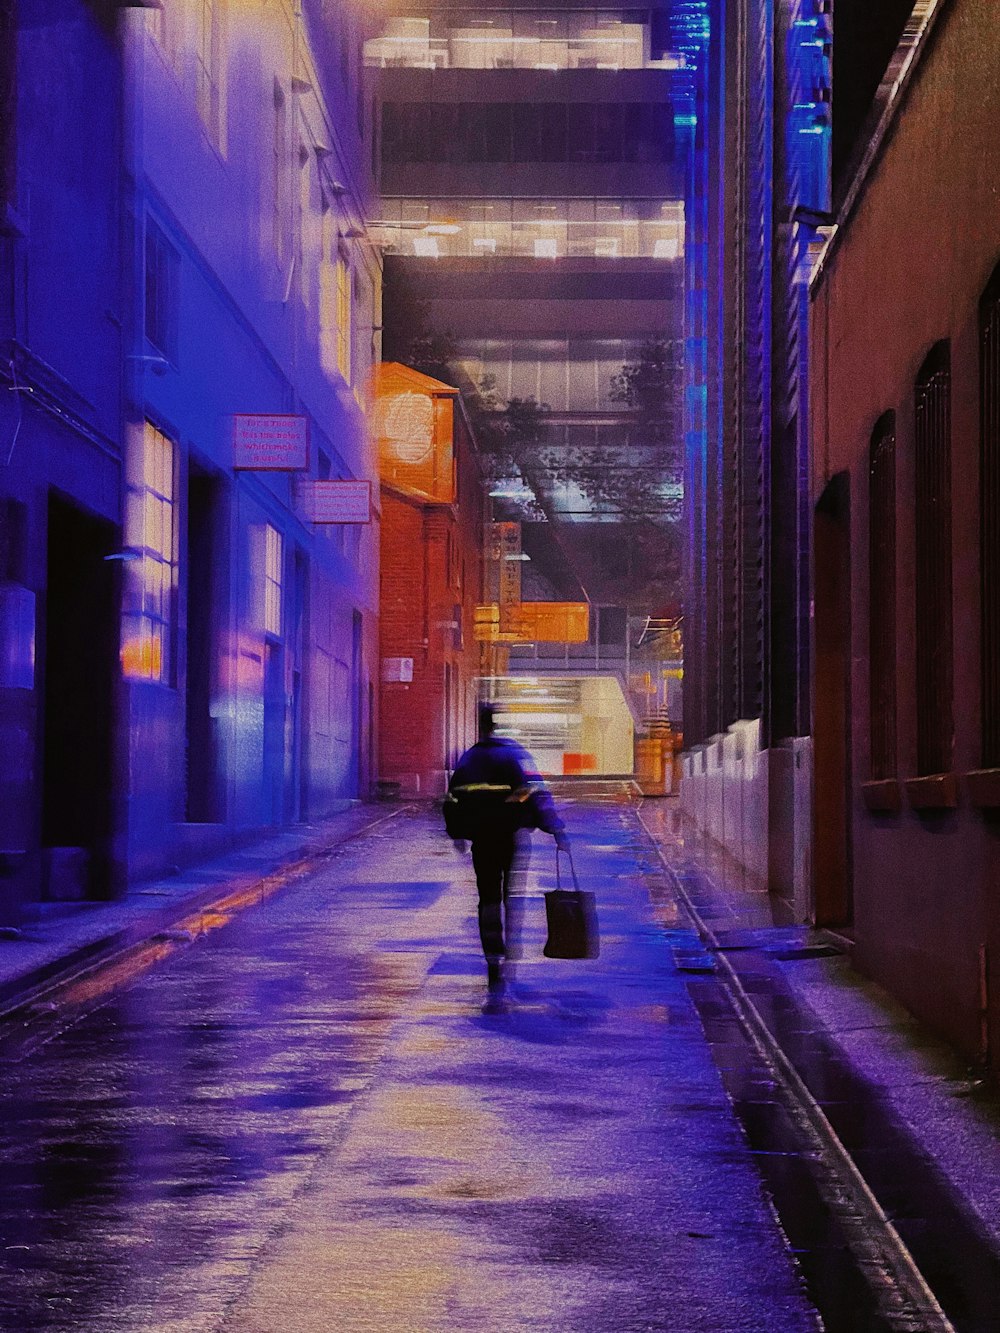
(442, 229)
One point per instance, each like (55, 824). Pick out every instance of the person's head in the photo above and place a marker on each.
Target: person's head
(487, 721)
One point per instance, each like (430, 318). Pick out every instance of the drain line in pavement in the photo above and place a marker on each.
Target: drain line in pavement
(902, 1295)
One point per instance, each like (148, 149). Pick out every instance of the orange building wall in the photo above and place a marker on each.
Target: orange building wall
(431, 562)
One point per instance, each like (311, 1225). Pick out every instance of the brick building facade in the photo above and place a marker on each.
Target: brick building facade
(906, 442)
(431, 576)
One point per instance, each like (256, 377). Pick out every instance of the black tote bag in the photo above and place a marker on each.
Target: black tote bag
(571, 918)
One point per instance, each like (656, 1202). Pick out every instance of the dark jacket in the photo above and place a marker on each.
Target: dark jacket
(496, 789)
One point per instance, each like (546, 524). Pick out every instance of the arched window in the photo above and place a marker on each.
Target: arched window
(989, 518)
(882, 596)
(932, 532)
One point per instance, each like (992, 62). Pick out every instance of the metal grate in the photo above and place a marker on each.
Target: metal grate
(989, 517)
(932, 531)
(882, 596)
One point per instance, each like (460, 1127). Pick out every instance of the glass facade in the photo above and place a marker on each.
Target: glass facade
(568, 374)
(571, 228)
(522, 39)
(509, 132)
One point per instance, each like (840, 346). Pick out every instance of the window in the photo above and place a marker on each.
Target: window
(161, 291)
(273, 558)
(932, 532)
(612, 624)
(989, 518)
(882, 596)
(343, 313)
(208, 67)
(150, 530)
(280, 165)
(527, 132)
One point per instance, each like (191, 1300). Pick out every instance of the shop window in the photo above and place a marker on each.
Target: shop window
(932, 534)
(150, 531)
(161, 291)
(989, 518)
(882, 596)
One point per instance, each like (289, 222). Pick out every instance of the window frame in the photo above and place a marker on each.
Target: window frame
(932, 530)
(882, 662)
(151, 603)
(989, 521)
(161, 291)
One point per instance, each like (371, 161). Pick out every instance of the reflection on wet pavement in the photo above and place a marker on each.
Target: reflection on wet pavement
(305, 1121)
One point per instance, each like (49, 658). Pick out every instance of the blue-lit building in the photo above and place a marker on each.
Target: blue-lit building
(186, 656)
(759, 130)
(61, 367)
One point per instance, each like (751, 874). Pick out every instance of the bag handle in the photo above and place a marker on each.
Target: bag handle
(572, 868)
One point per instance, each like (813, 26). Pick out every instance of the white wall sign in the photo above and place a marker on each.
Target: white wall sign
(276, 443)
(397, 669)
(339, 501)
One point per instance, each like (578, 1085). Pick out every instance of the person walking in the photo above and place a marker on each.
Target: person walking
(494, 793)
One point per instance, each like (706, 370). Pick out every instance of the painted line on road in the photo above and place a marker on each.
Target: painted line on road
(904, 1298)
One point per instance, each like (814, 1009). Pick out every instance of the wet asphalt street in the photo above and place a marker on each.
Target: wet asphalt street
(305, 1121)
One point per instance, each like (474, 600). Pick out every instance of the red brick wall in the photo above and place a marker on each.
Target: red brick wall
(908, 270)
(425, 549)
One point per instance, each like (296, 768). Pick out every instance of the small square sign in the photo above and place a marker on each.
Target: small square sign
(397, 670)
(270, 443)
(338, 501)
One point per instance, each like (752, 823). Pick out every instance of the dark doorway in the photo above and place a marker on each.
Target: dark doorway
(298, 793)
(202, 805)
(80, 669)
(832, 886)
(357, 702)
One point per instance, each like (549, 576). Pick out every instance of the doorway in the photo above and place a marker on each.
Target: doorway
(832, 885)
(202, 800)
(357, 701)
(80, 625)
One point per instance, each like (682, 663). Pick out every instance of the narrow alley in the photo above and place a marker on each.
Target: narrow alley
(304, 1117)
(430, 432)
(304, 1121)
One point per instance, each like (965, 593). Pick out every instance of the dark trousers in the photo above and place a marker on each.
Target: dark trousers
(496, 860)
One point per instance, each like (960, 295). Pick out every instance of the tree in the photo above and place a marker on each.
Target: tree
(651, 385)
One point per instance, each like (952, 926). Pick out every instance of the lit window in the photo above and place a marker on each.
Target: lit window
(666, 248)
(426, 247)
(486, 245)
(606, 247)
(546, 248)
(149, 530)
(273, 551)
